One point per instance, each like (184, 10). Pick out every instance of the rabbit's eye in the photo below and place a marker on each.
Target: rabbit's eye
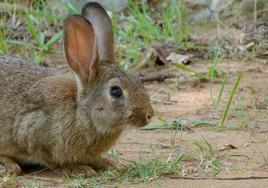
(116, 91)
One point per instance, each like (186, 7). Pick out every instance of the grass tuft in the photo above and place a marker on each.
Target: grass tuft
(152, 169)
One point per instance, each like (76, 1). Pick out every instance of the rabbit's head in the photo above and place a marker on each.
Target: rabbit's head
(109, 97)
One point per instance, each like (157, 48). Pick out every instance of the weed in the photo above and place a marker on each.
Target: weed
(230, 100)
(35, 44)
(8, 181)
(40, 47)
(179, 124)
(250, 159)
(138, 172)
(151, 169)
(33, 184)
(265, 100)
(3, 43)
(216, 105)
(167, 124)
(72, 9)
(217, 56)
(188, 70)
(141, 30)
(241, 113)
(209, 158)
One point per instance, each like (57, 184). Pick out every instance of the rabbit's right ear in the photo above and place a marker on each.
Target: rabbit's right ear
(80, 46)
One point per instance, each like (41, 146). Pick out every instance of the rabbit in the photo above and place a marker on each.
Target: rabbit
(67, 121)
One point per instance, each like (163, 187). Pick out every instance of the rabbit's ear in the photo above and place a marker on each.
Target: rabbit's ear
(102, 25)
(80, 46)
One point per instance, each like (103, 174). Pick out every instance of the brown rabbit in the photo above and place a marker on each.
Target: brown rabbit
(64, 121)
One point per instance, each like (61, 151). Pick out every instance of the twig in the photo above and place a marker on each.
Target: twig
(160, 77)
(214, 178)
(165, 102)
(36, 172)
(51, 180)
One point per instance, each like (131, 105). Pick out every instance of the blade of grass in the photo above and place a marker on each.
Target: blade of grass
(54, 39)
(3, 41)
(216, 59)
(231, 99)
(216, 106)
(179, 124)
(72, 9)
(204, 122)
(190, 71)
(32, 29)
(22, 43)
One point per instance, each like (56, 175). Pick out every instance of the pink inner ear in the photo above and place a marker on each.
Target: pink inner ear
(80, 46)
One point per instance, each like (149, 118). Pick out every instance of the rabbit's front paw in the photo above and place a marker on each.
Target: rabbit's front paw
(75, 170)
(107, 164)
(8, 166)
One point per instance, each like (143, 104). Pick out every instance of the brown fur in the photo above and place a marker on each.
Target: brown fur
(57, 120)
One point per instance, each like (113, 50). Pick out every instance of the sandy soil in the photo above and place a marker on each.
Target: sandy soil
(250, 142)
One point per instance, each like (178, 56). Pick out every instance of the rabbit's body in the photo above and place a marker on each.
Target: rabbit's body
(61, 120)
(41, 125)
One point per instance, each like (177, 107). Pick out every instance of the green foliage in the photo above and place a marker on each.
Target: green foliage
(3, 41)
(142, 28)
(179, 124)
(216, 105)
(41, 25)
(209, 157)
(230, 99)
(72, 9)
(40, 47)
(217, 57)
(188, 70)
(151, 169)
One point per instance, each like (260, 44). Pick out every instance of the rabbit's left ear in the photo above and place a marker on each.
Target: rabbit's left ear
(80, 47)
(102, 25)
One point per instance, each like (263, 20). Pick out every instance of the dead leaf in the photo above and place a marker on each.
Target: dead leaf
(246, 145)
(157, 57)
(179, 58)
(227, 147)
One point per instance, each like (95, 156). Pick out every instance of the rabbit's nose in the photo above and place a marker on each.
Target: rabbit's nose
(150, 114)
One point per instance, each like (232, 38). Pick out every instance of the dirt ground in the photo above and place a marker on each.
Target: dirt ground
(242, 145)
(248, 156)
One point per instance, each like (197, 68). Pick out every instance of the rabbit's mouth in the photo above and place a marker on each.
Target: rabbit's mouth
(138, 119)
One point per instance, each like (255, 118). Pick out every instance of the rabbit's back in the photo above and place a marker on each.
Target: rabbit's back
(17, 77)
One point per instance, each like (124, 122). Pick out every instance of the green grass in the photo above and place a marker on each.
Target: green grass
(179, 124)
(230, 100)
(40, 46)
(241, 114)
(41, 32)
(206, 158)
(210, 159)
(219, 98)
(142, 28)
(142, 171)
(3, 41)
(152, 169)
(265, 100)
(217, 57)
